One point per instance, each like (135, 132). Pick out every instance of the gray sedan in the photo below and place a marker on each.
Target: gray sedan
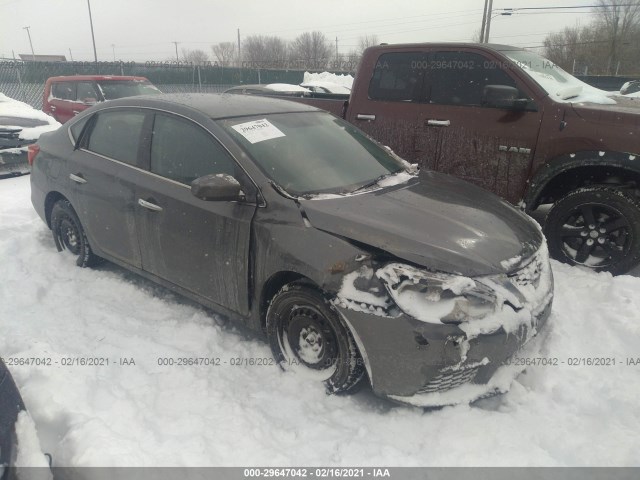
(295, 223)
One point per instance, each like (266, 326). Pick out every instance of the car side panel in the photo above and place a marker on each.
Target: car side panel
(106, 203)
(202, 246)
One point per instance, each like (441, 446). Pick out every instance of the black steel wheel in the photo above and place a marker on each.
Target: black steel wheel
(596, 227)
(69, 234)
(306, 335)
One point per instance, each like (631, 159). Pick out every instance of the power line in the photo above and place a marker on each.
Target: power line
(567, 7)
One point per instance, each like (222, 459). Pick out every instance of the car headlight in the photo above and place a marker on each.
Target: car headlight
(436, 297)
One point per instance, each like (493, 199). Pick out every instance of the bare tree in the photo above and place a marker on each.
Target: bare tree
(225, 52)
(367, 41)
(268, 51)
(197, 57)
(618, 18)
(311, 49)
(563, 48)
(610, 41)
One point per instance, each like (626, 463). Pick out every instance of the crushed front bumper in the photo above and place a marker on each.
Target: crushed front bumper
(434, 364)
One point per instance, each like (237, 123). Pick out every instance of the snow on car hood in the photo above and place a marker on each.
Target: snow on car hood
(435, 221)
(21, 116)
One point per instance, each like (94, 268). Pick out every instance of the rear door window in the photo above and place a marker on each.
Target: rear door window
(398, 77)
(116, 134)
(64, 90)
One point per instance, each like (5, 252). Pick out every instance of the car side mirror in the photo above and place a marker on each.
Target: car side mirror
(503, 96)
(217, 187)
(89, 101)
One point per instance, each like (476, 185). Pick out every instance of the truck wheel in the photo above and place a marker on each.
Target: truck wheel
(596, 227)
(307, 336)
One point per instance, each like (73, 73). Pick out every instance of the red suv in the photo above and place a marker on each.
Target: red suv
(65, 97)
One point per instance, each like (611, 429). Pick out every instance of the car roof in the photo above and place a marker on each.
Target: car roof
(113, 78)
(216, 105)
(489, 46)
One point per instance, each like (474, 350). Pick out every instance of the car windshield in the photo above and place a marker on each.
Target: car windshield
(312, 152)
(547, 74)
(113, 89)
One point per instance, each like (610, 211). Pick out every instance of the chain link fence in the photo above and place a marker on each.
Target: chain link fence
(25, 80)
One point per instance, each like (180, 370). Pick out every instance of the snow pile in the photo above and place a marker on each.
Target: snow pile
(19, 110)
(286, 87)
(153, 414)
(29, 453)
(345, 81)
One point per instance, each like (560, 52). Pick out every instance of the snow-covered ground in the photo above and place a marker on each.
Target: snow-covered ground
(149, 414)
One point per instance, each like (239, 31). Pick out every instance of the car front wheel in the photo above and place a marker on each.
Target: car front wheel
(306, 335)
(69, 234)
(595, 227)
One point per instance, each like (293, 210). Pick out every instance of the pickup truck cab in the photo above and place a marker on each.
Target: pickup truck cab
(514, 123)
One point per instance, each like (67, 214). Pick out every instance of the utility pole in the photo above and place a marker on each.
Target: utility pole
(71, 55)
(484, 21)
(33, 55)
(239, 56)
(337, 49)
(113, 47)
(176, 44)
(486, 33)
(93, 38)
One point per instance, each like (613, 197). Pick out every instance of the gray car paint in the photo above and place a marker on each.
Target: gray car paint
(436, 222)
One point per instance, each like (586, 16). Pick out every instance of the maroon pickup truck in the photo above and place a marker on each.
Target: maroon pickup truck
(512, 122)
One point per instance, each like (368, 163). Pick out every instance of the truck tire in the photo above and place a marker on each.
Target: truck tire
(596, 227)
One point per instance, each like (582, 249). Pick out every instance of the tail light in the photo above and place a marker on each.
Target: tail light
(32, 151)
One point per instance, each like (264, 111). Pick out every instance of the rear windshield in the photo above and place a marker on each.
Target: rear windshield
(312, 152)
(129, 88)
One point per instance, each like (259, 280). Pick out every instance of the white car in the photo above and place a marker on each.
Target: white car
(631, 89)
(319, 86)
(20, 126)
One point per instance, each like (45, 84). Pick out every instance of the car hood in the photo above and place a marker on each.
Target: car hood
(435, 221)
(625, 110)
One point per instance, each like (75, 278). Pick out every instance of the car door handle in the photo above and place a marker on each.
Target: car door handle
(52, 107)
(75, 112)
(149, 205)
(365, 116)
(438, 123)
(77, 178)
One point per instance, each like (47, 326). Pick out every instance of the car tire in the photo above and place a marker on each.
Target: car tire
(596, 227)
(307, 335)
(69, 235)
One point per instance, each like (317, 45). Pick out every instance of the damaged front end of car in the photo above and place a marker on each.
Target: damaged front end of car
(433, 338)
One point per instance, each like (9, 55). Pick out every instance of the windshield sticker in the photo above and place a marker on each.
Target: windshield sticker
(258, 130)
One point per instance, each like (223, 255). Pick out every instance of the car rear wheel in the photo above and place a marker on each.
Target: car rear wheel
(69, 235)
(596, 227)
(306, 335)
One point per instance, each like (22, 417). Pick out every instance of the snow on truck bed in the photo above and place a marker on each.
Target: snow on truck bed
(150, 414)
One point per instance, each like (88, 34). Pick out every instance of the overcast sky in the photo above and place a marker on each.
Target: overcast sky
(144, 29)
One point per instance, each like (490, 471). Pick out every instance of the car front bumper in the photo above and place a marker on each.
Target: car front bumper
(434, 364)
(14, 161)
